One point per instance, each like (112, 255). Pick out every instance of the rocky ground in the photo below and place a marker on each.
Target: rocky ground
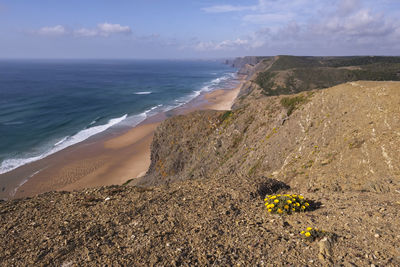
(201, 222)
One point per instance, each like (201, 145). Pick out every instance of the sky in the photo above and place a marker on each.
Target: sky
(180, 29)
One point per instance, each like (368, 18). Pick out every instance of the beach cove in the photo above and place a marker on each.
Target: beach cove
(110, 158)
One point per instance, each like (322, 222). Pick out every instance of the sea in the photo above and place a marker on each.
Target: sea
(48, 105)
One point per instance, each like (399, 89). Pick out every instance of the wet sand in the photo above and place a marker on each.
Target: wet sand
(105, 160)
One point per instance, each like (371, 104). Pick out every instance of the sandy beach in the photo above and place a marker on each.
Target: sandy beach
(105, 160)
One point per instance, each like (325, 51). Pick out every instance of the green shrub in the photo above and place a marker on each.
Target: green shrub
(291, 103)
(225, 116)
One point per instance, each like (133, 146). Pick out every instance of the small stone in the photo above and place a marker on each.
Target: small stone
(107, 199)
(377, 235)
(325, 251)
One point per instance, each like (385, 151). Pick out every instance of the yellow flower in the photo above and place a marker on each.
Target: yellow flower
(302, 232)
(272, 205)
(286, 207)
(297, 204)
(303, 208)
(276, 200)
(293, 199)
(301, 197)
(269, 210)
(272, 197)
(293, 209)
(278, 195)
(280, 211)
(307, 204)
(307, 234)
(289, 201)
(294, 195)
(309, 228)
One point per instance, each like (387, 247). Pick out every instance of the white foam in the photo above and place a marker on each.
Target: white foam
(142, 93)
(14, 191)
(62, 140)
(151, 109)
(11, 164)
(216, 83)
(207, 87)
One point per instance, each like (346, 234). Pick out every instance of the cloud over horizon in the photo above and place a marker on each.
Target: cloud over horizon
(52, 30)
(103, 29)
(201, 29)
(346, 24)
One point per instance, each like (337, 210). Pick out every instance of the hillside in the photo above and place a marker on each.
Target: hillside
(202, 200)
(291, 75)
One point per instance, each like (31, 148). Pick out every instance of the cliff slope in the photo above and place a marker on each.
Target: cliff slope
(342, 138)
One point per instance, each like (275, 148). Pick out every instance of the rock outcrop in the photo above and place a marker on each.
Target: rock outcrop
(242, 61)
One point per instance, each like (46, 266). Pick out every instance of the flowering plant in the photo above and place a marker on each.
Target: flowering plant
(286, 203)
(313, 233)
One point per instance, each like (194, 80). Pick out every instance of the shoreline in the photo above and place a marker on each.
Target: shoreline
(107, 159)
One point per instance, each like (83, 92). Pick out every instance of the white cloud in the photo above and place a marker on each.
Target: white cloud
(106, 29)
(103, 29)
(52, 31)
(360, 24)
(85, 32)
(267, 18)
(343, 27)
(227, 8)
(224, 45)
(346, 7)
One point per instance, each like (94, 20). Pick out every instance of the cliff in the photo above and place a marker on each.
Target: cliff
(343, 138)
(242, 61)
(201, 201)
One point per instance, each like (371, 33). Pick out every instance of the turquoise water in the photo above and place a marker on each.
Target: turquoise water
(46, 106)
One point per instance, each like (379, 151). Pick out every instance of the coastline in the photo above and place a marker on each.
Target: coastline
(109, 159)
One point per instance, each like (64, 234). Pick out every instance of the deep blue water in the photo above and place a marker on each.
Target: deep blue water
(48, 105)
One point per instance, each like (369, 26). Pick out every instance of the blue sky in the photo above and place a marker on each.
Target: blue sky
(197, 29)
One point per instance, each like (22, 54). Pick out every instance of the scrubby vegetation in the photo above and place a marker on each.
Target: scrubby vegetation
(291, 103)
(265, 81)
(225, 116)
(291, 75)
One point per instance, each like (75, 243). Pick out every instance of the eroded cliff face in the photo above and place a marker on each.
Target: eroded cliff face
(342, 138)
(248, 60)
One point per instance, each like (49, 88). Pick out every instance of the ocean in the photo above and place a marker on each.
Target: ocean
(48, 105)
